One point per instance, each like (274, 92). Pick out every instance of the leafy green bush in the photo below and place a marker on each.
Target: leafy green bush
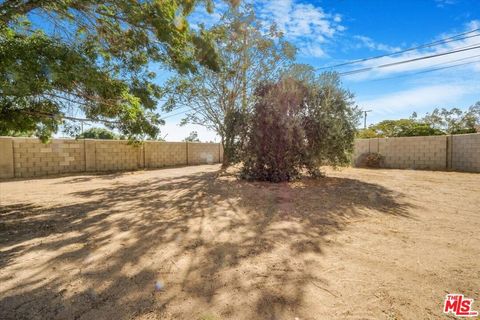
(370, 160)
(299, 125)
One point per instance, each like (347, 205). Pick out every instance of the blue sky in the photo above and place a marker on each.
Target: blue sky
(328, 32)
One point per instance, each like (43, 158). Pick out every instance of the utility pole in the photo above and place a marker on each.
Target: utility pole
(365, 118)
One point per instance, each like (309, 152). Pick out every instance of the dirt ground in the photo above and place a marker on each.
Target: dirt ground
(195, 243)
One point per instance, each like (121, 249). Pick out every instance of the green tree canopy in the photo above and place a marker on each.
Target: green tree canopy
(98, 133)
(93, 56)
(192, 137)
(454, 121)
(438, 122)
(398, 128)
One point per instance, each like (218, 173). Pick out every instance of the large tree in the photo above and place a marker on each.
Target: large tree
(250, 53)
(299, 123)
(93, 57)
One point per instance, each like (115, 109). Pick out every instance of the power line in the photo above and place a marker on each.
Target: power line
(401, 76)
(455, 60)
(427, 71)
(51, 115)
(435, 69)
(475, 46)
(176, 114)
(182, 112)
(423, 46)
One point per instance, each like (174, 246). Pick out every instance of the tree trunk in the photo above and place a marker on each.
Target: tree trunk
(228, 151)
(225, 162)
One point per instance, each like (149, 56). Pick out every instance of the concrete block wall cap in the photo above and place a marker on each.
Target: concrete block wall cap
(466, 134)
(164, 142)
(88, 139)
(196, 142)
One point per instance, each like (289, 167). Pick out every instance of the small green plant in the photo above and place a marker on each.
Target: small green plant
(370, 160)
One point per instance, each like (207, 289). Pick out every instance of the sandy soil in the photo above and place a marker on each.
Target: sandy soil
(195, 243)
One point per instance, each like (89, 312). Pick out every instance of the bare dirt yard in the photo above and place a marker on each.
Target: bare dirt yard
(195, 243)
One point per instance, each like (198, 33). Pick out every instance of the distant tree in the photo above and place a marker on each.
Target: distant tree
(454, 121)
(15, 133)
(400, 128)
(367, 133)
(192, 137)
(297, 125)
(250, 54)
(438, 122)
(93, 57)
(98, 133)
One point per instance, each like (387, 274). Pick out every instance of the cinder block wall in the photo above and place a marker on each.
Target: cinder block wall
(203, 153)
(33, 158)
(115, 155)
(361, 146)
(456, 152)
(6, 158)
(465, 152)
(414, 152)
(28, 157)
(161, 154)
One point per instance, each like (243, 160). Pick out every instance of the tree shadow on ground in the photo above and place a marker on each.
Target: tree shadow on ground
(236, 249)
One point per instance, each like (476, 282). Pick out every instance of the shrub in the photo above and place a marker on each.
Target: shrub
(297, 126)
(370, 160)
(276, 143)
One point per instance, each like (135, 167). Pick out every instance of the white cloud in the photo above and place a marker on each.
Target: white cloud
(444, 3)
(440, 61)
(312, 50)
(418, 98)
(372, 45)
(308, 26)
(201, 16)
